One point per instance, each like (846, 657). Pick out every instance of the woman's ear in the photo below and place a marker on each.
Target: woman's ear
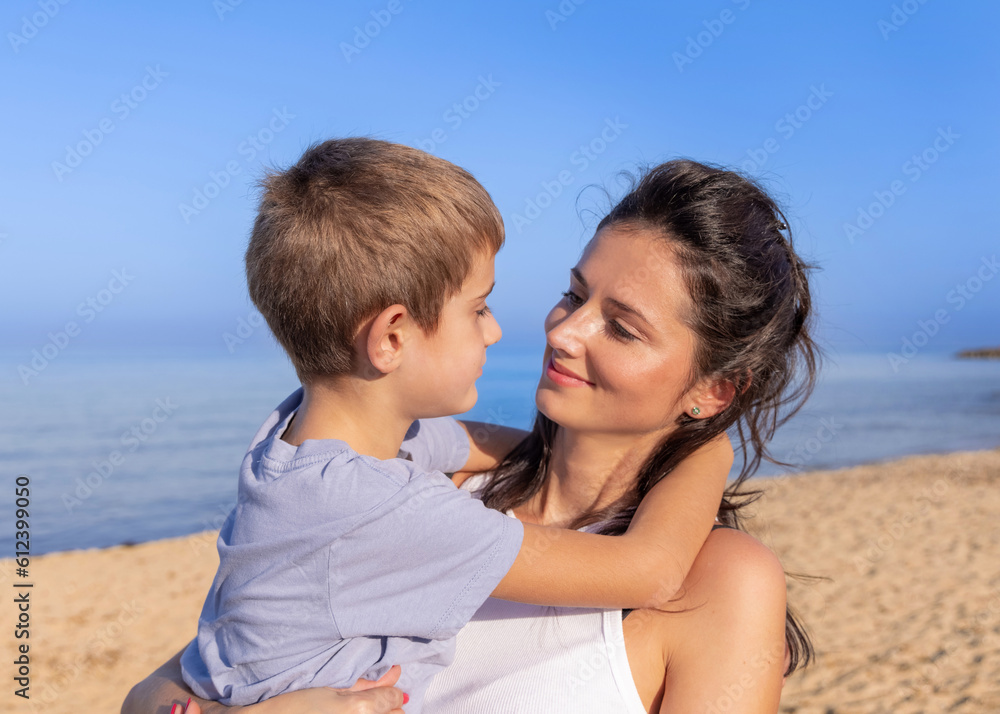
(381, 340)
(710, 397)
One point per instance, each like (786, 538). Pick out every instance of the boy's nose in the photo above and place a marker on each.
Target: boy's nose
(493, 332)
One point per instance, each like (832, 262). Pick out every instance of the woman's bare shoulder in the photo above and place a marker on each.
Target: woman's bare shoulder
(734, 568)
(734, 596)
(743, 557)
(734, 572)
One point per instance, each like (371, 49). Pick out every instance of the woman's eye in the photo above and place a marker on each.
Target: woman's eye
(612, 328)
(572, 298)
(484, 312)
(619, 332)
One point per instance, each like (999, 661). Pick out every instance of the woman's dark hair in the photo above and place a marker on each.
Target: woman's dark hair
(751, 318)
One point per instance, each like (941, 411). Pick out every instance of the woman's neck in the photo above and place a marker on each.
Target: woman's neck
(587, 472)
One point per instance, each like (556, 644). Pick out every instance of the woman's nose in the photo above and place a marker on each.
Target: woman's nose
(566, 332)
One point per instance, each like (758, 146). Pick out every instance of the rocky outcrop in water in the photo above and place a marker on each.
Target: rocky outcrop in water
(985, 353)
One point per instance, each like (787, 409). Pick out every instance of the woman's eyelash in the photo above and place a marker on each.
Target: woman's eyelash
(620, 333)
(572, 297)
(612, 329)
(484, 312)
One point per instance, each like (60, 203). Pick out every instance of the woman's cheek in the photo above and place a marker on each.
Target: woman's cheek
(641, 380)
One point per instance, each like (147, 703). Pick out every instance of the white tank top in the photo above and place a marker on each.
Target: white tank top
(513, 657)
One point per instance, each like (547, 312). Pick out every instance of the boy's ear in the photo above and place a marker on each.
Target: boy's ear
(383, 343)
(711, 397)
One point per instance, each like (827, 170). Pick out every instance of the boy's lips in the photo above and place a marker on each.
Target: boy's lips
(561, 375)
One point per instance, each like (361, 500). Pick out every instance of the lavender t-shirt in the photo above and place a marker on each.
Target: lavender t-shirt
(335, 566)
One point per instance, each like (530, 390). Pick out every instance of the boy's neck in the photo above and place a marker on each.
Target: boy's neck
(352, 411)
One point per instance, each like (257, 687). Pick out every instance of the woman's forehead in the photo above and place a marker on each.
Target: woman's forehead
(637, 267)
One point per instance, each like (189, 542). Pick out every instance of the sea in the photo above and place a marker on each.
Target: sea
(127, 449)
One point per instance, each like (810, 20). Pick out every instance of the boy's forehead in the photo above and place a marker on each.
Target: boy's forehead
(479, 282)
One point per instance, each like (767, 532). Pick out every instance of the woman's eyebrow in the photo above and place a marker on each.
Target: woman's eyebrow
(629, 309)
(624, 307)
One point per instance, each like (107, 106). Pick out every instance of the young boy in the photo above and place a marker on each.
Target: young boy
(371, 263)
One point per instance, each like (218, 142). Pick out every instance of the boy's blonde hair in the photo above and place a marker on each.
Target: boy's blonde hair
(355, 226)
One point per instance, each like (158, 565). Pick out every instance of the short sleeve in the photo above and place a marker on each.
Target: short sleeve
(437, 444)
(423, 566)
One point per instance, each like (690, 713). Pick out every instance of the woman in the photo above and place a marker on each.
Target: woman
(689, 277)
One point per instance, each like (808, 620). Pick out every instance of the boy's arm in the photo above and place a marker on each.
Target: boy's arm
(460, 447)
(645, 566)
(488, 444)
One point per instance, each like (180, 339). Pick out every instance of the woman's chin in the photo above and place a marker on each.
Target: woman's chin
(548, 403)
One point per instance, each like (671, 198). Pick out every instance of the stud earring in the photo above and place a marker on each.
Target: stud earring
(696, 411)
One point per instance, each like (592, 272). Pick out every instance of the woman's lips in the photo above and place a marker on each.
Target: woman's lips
(561, 375)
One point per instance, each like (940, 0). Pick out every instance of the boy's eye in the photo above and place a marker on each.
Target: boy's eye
(484, 312)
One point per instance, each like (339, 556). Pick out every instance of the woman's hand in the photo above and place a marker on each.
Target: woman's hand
(166, 686)
(364, 697)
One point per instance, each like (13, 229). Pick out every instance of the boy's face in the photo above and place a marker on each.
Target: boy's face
(443, 368)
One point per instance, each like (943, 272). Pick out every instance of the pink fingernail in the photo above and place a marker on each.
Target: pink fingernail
(406, 698)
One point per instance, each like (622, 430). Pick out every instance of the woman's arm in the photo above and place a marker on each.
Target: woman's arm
(642, 568)
(164, 690)
(158, 692)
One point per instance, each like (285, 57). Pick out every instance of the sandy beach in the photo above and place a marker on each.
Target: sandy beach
(904, 606)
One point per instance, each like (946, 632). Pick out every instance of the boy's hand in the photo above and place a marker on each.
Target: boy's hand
(678, 513)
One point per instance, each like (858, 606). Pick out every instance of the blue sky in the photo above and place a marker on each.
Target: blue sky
(118, 115)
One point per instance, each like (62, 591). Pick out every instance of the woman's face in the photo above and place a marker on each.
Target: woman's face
(619, 355)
